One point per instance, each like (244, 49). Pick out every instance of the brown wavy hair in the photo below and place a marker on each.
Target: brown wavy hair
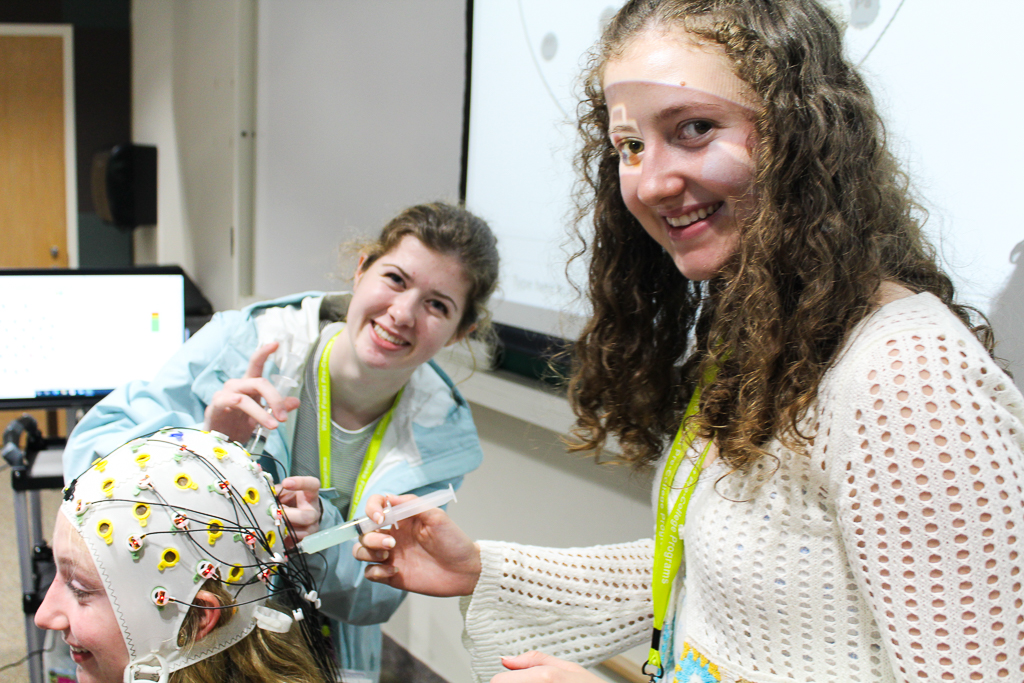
(453, 231)
(833, 219)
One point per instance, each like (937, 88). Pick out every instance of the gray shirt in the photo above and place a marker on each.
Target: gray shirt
(348, 448)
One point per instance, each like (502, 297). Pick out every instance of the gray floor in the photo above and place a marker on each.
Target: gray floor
(398, 666)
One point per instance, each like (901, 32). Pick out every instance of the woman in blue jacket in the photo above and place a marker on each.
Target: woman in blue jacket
(370, 412)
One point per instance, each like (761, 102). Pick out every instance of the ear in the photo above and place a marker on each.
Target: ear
(208, 618)
(459, 336)
(360, 269)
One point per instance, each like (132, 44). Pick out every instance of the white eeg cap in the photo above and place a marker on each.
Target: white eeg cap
(160, 515)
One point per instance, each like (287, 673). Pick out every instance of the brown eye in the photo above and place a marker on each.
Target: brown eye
(695, 129)
(630, 150)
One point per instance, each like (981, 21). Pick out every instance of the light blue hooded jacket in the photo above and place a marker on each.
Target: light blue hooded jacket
(430, 443)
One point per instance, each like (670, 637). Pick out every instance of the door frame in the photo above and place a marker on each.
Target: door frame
(66, 33)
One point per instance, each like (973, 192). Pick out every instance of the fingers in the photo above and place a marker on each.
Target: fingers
(264, 389)
(304, 522)
(381, 573)
(300, 499)
(259, 359)
(537, 667)
(232, 397)
(375, 504)
(300, 487)
(373, 547)
(260, 389)
(237, 399)
(534, 658)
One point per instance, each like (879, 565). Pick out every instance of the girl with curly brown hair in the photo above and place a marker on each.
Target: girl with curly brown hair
(844, 456)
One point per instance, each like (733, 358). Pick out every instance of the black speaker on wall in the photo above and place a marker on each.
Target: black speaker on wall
(124, 185)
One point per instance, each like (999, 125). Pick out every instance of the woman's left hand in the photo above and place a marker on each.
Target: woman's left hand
(537, 667)
(300, 497)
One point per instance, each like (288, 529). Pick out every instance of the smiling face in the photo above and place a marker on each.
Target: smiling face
(406, 306)
(77, 605)
(682, 123)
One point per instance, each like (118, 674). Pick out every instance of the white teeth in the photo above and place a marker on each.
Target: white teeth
(383, 334)
(693, 217)
(78, 650)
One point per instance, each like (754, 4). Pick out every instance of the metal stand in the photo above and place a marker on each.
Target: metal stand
(38, 470)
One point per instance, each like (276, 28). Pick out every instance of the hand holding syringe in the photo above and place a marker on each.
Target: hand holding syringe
(321, 540)
(283, 382)
(242, 403)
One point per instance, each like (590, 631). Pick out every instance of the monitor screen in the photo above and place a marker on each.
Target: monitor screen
(69, 337)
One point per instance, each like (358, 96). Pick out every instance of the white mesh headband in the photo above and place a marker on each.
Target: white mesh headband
(160, 515)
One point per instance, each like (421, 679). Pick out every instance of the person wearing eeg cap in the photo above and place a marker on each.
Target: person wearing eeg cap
(368, 411)
(167, 551)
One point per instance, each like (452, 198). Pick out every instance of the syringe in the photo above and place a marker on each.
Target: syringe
(284, 382)
(314, 543)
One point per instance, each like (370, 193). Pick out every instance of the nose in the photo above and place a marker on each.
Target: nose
(662, 175)
(403, 309)
(49, 615)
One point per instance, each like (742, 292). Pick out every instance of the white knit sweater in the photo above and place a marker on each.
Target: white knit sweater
(889, 551)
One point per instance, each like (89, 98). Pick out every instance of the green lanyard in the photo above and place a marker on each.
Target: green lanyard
(370, 459)
(668, 546)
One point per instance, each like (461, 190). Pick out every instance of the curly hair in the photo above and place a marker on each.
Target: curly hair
(833, 219)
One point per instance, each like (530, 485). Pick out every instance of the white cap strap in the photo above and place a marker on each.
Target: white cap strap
(137, 671)
(272, 620)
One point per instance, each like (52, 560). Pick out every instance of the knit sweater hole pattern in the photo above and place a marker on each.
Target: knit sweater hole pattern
(886, 550)
(936, 494)
(601, 586)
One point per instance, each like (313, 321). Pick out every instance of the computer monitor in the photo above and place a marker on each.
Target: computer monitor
(69, 337)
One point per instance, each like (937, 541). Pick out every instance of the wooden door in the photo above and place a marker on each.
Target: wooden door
(33, 202)
(34, 154)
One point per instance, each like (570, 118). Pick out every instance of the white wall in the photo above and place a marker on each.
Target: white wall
(359, 114)
(926, 89)
(185, 55)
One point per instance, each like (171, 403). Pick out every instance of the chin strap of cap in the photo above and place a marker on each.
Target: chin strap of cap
(137, 671)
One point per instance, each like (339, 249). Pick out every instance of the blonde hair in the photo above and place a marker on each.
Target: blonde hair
(260, 657)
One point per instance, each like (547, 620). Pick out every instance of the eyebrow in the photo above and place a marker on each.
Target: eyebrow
(669, 113)
(620, 128)
(673, 112)
(433, 292)
(73, 570)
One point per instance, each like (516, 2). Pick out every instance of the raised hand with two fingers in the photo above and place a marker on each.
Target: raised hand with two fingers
(236, 409)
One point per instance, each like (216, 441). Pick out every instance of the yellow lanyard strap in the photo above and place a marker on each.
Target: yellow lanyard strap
(324, 425)
(668, 545)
